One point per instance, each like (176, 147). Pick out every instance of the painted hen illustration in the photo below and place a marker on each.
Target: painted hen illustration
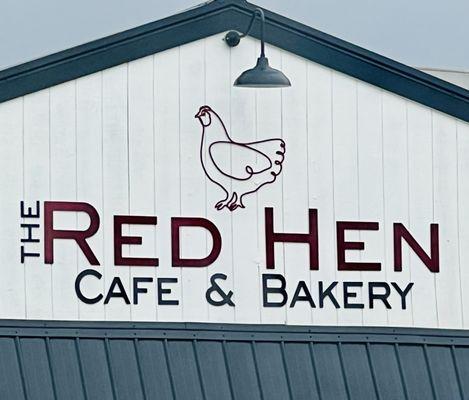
(238, 168)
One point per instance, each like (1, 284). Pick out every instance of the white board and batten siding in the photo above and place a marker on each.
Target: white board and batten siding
(126, 141)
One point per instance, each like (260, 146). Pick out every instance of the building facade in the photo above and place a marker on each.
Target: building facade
(166, 234)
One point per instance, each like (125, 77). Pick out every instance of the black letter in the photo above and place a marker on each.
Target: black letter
(121, 293)
(137, 289)
(348, 294)
(403, 293)
(30, 213)
(376, 296)
(162, 291)
(306, 297)
(327, 293)
(25, 254)
(280, 290)
(78, 291)
(30, 238)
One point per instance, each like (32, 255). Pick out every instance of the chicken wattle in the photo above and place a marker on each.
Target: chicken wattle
(237, 168)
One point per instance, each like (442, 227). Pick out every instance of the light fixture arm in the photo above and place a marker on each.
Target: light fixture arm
(233, 38)
(262, 75)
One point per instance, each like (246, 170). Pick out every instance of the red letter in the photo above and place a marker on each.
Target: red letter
(119, 240)
(310, 238)
(432, 262)
(78, 236)
(176, 224)
(342, 246)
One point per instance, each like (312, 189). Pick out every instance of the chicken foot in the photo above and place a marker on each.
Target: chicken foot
(232, 204)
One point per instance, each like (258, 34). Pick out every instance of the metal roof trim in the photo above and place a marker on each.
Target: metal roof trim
(232, 332)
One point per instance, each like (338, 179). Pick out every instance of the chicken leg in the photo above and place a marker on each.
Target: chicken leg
(231, 202)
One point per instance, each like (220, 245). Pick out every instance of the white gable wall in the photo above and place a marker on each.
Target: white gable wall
(126, 141)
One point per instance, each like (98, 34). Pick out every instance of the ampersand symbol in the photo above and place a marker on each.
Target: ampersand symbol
(225, 297)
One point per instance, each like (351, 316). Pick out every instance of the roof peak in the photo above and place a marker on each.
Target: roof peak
(217, 16)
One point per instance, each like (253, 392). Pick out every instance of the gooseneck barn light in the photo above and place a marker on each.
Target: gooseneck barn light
(262, 75)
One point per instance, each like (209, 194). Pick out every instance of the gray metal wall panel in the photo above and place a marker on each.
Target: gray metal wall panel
(271, 367)
(11, 385)
(330, 371)
(36, 369)
(358, 373)
(415, 372)
(242, 370)
(214, 374)
(387, 372)
(96, 373)
(443, 373)
(461, 356)
(155, 373)
(65, 369)
(184, 370)
(187, 362)
(301, 371)
(125, 370)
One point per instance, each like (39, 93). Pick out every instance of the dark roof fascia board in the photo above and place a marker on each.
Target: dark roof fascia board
(221, 15)
(114, 50)
(233, 332)
(364, 65)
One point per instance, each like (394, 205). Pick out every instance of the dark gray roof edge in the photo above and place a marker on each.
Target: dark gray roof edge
(221, 15)
(237, 332)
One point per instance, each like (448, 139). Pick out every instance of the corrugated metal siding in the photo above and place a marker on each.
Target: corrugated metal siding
(200, 361)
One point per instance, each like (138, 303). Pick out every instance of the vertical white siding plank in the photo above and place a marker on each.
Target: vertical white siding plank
(321, 182)
(194, 241)
(64, 188)
(218, 87)
(269, 125)
(371, 205)
(445, 165)
(421, 212)
(115, 180)
(142, 180)
(396, 195)
(295, 183)
(167, 172)
(90, 182)
(463, 216)
(37, 187)
(12, 284)
(344, 114)
(243, 129)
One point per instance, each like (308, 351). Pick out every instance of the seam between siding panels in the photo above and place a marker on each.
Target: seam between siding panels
(19, 357)
(108, 361)
(227, 367)
(80, 367)
(342, 368)
(197, 363)
(372, 370)
(430, 374)
(49, 363)
(285, 367)
(401, 375)
(259, 383)
(168, 366)
(140, 376)
(456, 369)
(313, 362)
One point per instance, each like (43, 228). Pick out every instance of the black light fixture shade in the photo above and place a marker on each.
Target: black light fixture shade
(262, 75)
